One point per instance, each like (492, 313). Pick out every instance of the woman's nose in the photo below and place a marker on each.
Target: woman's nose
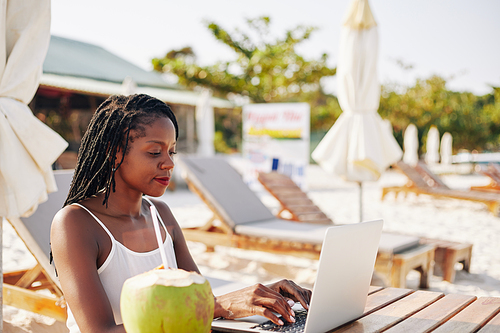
(168, 163)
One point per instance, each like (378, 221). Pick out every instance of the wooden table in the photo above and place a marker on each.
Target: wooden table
(395, 310)
(405, 310)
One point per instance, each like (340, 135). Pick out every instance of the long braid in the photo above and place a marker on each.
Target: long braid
(109, 131)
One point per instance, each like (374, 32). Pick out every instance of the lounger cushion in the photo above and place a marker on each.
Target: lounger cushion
(284, 230)
(395, 243)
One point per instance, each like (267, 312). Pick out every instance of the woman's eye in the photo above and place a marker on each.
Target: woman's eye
(155, 153)
(172, 153)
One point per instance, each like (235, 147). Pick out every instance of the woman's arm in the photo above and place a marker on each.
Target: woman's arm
(75, 249)
(255, 300)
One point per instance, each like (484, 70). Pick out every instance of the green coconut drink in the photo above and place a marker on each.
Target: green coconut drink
(167, 300)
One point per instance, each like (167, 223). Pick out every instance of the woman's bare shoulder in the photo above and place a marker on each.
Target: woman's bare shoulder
(73, 223)
(69, 216)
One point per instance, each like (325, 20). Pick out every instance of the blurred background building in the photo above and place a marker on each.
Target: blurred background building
(78, 77)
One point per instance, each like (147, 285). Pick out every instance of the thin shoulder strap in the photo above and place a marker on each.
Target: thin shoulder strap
(157, 213)
(97, 219)
(168, 243)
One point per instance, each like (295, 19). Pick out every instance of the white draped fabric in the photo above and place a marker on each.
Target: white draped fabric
(28, 147)
(358, 147)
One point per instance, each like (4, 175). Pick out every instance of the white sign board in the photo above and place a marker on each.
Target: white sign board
(276, 137)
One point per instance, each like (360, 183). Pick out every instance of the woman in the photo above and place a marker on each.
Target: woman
(104, 233)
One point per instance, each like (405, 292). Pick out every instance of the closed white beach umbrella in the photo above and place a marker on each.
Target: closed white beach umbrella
(358, 147)
(205, 126)
(411, 144)
(446, 149)
(28, 148)
(432, 146)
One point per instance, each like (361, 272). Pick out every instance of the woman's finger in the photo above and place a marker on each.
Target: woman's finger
(304, 295)
(292, 290)
(264, 312)
(272, 300)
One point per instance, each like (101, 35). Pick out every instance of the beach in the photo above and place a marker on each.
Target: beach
(449, 219)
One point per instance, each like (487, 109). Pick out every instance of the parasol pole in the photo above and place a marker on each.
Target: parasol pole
(360, 201)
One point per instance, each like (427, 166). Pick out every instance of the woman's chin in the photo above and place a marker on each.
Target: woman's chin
(156, 193)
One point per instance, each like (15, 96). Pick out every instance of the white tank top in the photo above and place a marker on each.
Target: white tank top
(121, 264)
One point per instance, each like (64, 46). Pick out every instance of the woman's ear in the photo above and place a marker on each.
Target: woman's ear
(118, 157)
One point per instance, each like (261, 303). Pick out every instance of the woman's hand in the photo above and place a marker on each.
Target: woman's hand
(292, 291)
(263, 300)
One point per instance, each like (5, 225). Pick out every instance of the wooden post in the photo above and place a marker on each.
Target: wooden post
(1, 272)
(190, 130)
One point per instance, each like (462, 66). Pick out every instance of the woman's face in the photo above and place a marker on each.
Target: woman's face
(148, 163)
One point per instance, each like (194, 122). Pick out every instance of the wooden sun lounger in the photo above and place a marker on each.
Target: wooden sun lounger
(21, 288)
(447, 253)
(292, 199)
(493, 172)
(241, 220)
(422, 181)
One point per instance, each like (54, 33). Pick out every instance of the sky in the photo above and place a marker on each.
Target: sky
(456, 39)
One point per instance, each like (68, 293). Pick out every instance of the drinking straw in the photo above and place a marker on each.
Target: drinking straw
(156, 225)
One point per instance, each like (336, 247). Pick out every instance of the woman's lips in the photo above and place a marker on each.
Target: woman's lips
(163, 180)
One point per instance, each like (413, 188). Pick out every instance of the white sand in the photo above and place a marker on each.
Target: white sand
(449, 219)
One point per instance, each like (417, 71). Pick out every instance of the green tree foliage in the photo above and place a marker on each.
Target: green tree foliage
(264, 69)
(473, 121)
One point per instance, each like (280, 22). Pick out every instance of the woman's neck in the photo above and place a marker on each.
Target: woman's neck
(118, 204)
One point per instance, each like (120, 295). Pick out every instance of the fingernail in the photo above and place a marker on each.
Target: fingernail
(292, 319)
(291, 303)
(280, 322)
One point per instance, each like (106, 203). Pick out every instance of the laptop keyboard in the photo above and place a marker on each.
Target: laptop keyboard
(298, 326)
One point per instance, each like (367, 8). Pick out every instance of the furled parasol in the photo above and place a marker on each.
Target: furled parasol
(205, 127)
(358, 147)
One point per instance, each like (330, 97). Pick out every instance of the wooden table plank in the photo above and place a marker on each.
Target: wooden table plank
(374, 289)
(392, 314)
(384, 297)
(434, 315)
(472, 317)
(493, 326)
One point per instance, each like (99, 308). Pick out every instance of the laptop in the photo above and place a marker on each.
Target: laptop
(342, 282)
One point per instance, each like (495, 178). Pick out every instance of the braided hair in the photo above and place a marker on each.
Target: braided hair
(109, 131)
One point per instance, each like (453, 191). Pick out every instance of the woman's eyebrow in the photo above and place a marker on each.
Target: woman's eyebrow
(160, 142)
(157, 142)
